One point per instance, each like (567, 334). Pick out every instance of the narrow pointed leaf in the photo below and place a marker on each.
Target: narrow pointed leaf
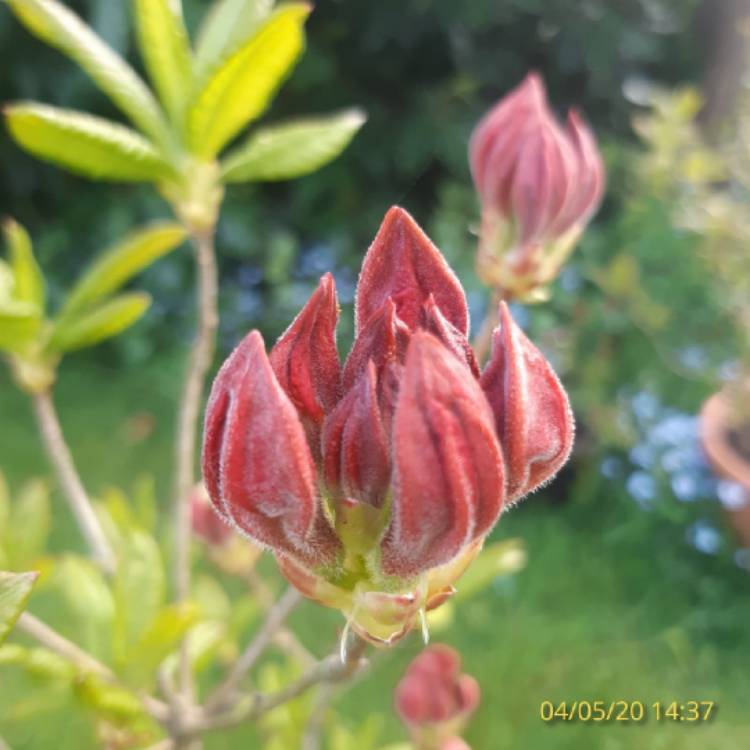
(294, 149)
(240, 89)
(90, 146)
(61, 28)
(15, 589)
(28, 280)
(100, 323)
(165, 47)
(227, 25)
(121, 262)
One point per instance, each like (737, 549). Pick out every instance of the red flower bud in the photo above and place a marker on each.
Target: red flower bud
(402, 264)
(532, 414)
(356, 446)
(306, 362)
(539, 185)
(434, 692)
(257, 465)
(448, 469)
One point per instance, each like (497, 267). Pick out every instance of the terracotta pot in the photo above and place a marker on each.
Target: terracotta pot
(726, 459)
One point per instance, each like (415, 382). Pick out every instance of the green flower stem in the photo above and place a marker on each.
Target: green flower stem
(70, 481)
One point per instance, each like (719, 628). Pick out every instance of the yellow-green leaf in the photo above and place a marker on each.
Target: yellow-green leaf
(240, 89)
(15, 589)
(293, 149)
(19, 325)
(121, 262)
(27, 276)
(99, 323)
(30, 524)
(228, 24)
(60, 27)
(165, 47)
(91, 146)
(497, 560)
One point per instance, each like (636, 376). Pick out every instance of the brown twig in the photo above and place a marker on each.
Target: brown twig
(187, 424)
(252, 707)
(274, 619)
(70, 481)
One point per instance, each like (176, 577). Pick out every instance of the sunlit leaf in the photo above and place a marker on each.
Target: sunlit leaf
(19, 324)
(60, 27)
(160, 638)
(84, 144)
(110, 701)
(227, 25)
(139, 591)
(291, 150)
(240, 88)
(165, 47)
(15, 589)
(98, 323)
(28, 283)
(117, 265)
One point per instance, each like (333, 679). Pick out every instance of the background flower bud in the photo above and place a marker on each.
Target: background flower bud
(208, 525)
(538, 183)
(532, 414)
(434, 699)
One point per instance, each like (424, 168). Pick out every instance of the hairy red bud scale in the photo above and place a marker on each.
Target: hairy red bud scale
(448, 466)
(376, 485)
(402, 264)
(532, 413)
(256, 462)
(305, 359)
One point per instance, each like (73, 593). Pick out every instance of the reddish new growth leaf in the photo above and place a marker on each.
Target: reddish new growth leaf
(402, 264)
(257, 465)
(448, 468)
(532, 413)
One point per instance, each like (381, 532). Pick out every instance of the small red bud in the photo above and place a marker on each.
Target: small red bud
(440, 327)
(208, 525)
(532, 414)
(433, 691)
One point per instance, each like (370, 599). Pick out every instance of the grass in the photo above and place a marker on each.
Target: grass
(613, 604)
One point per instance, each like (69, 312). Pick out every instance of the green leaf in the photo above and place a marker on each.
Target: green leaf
(160, 638)
(30, 524)
(228, 24)
(59, 27)
(117, 265)
(84, 144)
(241, 88)
(28, 280)
(15, 589)
(112, 702)
(140, 586)
(98, 323)
(19, 325)
(165, 47)
(291, 150)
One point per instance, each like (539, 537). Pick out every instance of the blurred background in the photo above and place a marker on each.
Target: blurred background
(636, 581)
